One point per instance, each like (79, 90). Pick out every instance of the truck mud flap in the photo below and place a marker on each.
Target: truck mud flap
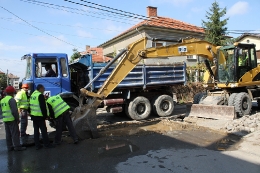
(212, 111)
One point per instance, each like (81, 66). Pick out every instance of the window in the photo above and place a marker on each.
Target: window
(93, 52)
(64, 69)
(253, 58)
(158, 44)
(46, 67)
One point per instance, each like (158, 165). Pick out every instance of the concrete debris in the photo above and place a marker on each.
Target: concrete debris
(245, 124)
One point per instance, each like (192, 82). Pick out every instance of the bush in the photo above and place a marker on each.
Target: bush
(185, 93)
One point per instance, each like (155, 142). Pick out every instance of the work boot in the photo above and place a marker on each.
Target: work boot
(39, 147)
(10, 149)
(19, 148)
(49, 146)
(76, 141)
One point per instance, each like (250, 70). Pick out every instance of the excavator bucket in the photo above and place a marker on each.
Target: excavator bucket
(212, 111)
(85, 121)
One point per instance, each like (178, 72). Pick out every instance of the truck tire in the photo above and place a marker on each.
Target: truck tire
(199, 97)
(231, 99)
(243, 104)
(138, 108)
(163, 105)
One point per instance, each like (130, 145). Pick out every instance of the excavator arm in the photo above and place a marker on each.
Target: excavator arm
(86, 113)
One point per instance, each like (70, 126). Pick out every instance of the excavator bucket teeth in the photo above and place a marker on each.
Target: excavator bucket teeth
(85, 122)
(212, 111)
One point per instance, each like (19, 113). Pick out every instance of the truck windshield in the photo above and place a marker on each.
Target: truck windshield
(226, 65)
(28, 70)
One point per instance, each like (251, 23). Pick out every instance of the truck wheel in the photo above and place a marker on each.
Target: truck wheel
(243, 104)
(198, 98)
(163, 105)
(139, 108)
(231, 99)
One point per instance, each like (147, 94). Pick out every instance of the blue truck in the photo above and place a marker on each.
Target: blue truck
(145, 90)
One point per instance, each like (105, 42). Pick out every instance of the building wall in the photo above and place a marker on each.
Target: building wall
(121, 44)
(155, 33)
(14, 82)
(254, 40)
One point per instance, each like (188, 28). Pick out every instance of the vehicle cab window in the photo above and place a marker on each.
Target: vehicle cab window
(46, 68)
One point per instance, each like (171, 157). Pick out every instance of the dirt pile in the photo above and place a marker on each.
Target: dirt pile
(186, 93)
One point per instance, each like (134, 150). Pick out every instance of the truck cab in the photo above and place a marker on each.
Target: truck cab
(36, 72)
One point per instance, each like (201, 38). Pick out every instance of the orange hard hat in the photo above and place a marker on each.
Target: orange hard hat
(25, 85)
(10, 89)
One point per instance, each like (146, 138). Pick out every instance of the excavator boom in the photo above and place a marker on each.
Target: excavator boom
(85, 115)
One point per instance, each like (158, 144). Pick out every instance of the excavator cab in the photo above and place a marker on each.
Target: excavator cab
(234, 61)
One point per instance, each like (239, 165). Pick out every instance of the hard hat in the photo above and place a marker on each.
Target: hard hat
(25, 85)
(10, 89)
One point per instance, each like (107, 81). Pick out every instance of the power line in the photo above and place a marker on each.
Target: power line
(112, 8)
(74, 26)
(39, 28)
(53, 31)
(147, 19)
(39, 3)
(131, 16)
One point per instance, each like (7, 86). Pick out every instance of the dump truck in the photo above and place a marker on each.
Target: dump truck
(131, 97)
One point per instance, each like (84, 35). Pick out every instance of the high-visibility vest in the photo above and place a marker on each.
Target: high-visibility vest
(6, 110)
(22, 100)
(58, 105)
(35, 105)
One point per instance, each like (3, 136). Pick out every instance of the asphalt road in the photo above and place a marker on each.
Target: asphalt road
(164, 149)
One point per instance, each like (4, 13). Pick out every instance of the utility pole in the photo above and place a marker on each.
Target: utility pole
(7, 80)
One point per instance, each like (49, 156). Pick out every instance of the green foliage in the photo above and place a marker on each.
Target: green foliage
(215, 28)
(75, 55)
(3, 80)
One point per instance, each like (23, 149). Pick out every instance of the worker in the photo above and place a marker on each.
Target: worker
(59, 110)
(39, 113)
(22, 100)
(10, 115)
(2, 93)
(49, 71)
(242, 61)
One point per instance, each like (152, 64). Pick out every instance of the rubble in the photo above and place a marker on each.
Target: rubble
(245, 124)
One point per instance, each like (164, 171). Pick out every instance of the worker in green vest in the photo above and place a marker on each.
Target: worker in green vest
(22, 100)
(59, 110)
(39, 113)
(9, 112)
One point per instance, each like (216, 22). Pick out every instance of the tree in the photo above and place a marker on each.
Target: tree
(3, 80)
(75, 55)
(215, 28)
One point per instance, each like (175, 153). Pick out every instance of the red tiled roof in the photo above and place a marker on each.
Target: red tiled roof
(164, 22)
(12, 76)
(97, 54)
(2, 72)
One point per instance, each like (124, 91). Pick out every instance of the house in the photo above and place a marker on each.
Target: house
(251, 38)
(13, 80)
(155, 27)
(97, 54)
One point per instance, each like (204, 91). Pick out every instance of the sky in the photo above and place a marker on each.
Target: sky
(47, 26)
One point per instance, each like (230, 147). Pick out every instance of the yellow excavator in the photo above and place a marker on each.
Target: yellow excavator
(232, 80)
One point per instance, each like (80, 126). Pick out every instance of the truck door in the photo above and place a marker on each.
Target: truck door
(65, 78)
(52, 83)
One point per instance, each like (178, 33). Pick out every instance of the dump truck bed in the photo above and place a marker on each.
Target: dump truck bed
(142, 76)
